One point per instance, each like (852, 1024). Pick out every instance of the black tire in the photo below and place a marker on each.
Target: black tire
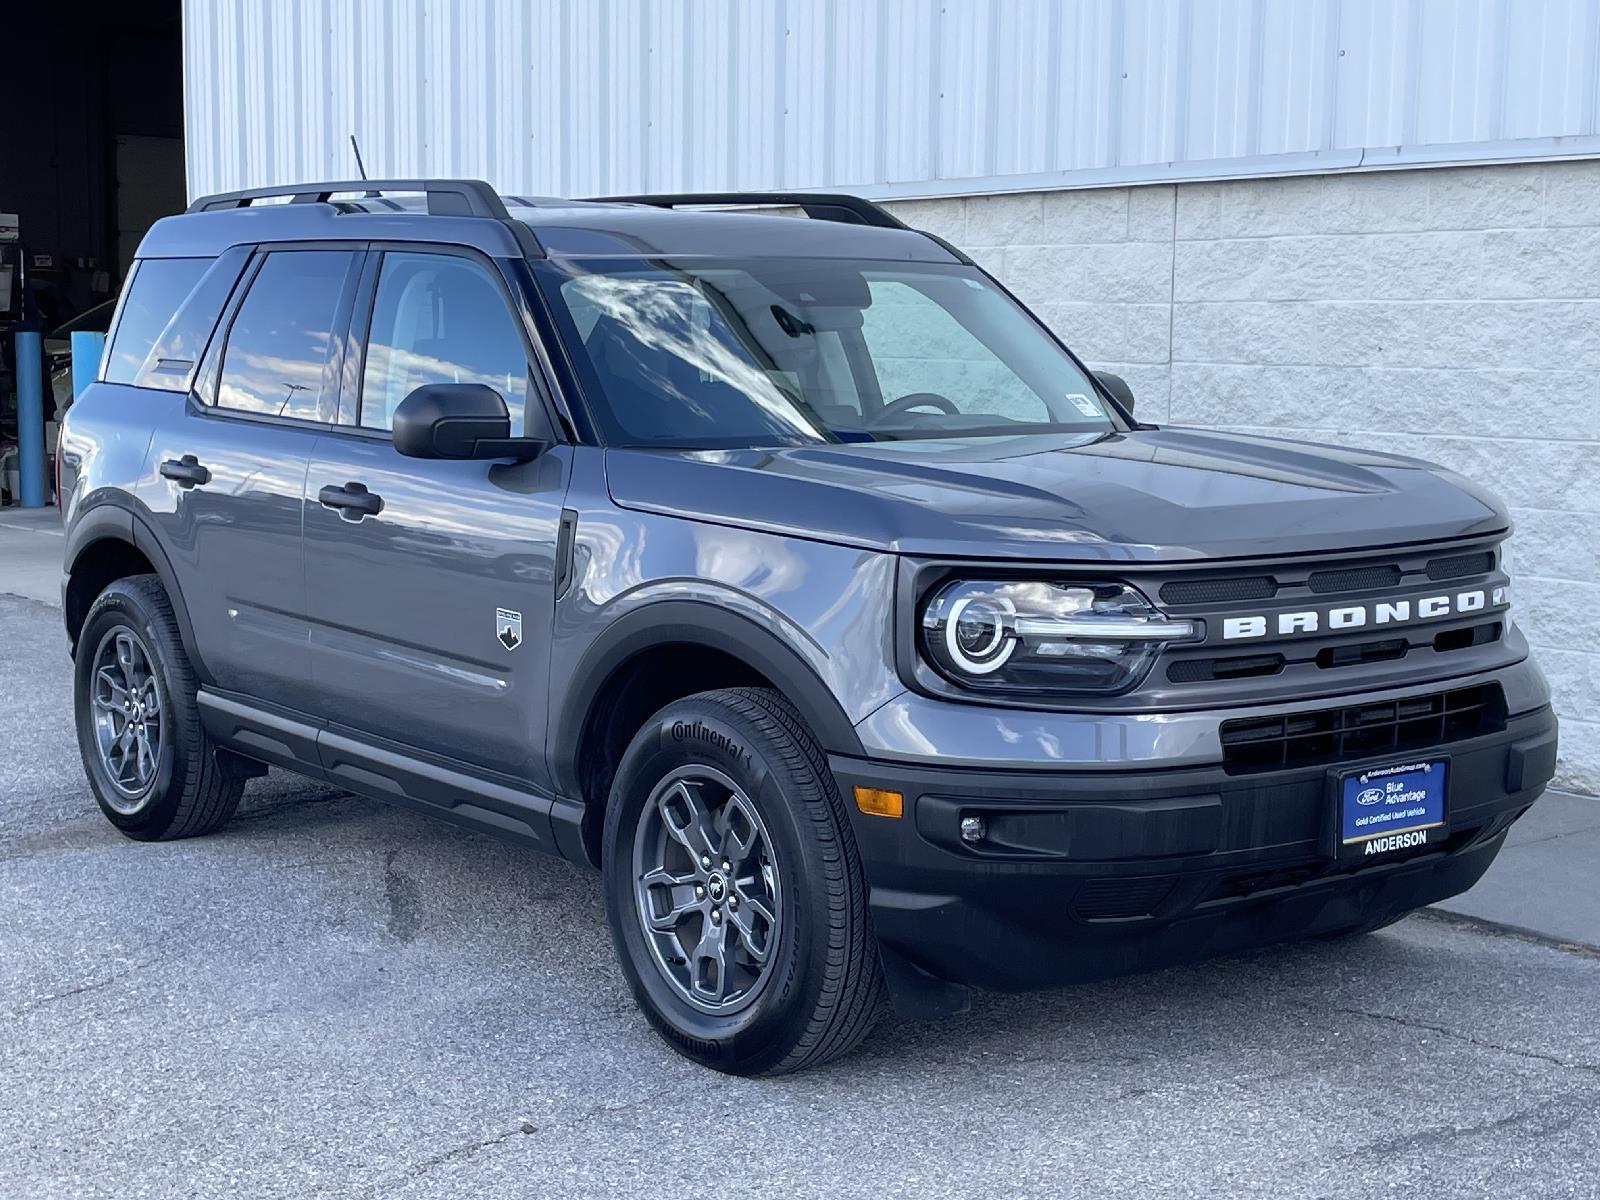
(823, 989)
(191, 791)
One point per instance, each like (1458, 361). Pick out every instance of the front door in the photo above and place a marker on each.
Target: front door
(431, 593)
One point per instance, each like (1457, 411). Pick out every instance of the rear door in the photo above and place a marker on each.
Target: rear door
(226, 480)
(431, 603)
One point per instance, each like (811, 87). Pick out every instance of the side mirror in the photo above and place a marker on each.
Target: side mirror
(458, 420)
(1119, 389)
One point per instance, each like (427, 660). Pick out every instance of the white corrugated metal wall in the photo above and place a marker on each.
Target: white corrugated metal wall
(888, 97)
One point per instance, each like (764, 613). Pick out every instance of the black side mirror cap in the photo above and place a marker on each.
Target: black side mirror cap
(459, 420)
(1118, 389)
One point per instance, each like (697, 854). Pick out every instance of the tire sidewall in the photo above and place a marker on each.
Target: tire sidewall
(707, 732)
(122, 606)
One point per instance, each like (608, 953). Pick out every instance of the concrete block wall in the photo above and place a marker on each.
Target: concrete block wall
(1451, 314)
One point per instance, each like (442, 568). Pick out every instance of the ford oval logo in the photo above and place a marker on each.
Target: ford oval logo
(1369, 796)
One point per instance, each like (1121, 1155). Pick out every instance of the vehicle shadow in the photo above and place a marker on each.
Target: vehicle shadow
(425, 882)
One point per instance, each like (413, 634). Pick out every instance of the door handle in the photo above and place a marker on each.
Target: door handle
(186, 470)
(352, 500)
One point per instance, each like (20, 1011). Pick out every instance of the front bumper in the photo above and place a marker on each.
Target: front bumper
(1088, 873)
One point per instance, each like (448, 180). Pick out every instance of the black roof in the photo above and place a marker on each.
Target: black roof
(470, 213)
(599, 229)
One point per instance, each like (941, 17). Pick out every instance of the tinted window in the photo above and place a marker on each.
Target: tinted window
(438, 318)
(171, 362)
(280, 338)
(156, 291)
(783, 351)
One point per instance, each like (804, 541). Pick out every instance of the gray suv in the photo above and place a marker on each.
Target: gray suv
(790, 573)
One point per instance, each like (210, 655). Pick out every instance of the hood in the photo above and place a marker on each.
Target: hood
(1146, 495)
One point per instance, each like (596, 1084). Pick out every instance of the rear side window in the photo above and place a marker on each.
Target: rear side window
(156, 290)
(275, 362)
(171, 363)
(439, 318)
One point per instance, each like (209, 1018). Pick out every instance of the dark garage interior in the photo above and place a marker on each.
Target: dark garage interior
(91, 153)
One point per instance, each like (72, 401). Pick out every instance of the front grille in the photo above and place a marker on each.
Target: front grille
(1325, 579)
(1237, 666)
(1335, 735)
(1362, 652)
(1458, 565)
(1274, 667)
(1219, 591)
(1355, 579)
(1472, 635)
(1120, 899)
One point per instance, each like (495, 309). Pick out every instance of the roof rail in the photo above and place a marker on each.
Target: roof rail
(819, 206)
(446, 197)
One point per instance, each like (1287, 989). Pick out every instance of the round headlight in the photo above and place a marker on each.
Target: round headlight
(976, 635)
(1033, 636)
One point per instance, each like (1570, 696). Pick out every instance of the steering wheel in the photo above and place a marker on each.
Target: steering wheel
(916, 400)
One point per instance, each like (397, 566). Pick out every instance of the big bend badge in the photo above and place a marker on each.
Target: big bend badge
(508, 627)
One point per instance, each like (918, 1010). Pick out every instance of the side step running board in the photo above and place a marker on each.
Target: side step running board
(379, 772)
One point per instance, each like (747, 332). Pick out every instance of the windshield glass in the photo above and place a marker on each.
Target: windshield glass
(719, 354)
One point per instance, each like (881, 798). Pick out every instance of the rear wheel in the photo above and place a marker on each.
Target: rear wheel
(733, 888)
(153, 770)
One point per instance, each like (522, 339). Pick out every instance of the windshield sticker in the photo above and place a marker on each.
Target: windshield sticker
(1083, 404)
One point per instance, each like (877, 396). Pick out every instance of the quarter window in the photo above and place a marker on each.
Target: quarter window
(439, 318)
(277, 354)
(156, 291)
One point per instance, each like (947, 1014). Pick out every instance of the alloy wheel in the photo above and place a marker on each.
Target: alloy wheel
(707, 889)
(127, 717)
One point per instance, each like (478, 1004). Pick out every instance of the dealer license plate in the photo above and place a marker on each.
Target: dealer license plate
(1387, 809)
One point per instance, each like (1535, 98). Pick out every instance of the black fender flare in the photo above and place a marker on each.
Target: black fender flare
(102, 523)
(694, 623)
(92, 525)
(114, 522)
(144, 538)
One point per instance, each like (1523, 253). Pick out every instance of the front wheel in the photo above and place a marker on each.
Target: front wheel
(733, 888)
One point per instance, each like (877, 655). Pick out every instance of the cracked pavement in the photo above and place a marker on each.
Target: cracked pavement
(335, 998)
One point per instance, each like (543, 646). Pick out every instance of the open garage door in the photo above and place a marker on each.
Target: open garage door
(149, 186)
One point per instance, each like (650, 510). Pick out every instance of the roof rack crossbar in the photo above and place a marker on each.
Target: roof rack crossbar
(819, 206)
(446, 197)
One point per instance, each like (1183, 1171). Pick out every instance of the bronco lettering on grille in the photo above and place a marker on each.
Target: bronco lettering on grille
(1363, 616)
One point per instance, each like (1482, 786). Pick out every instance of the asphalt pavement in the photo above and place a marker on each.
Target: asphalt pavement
(30, 553)
(332, 997)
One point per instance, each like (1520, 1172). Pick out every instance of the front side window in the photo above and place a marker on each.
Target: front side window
(439, 318)
(156, 290)
(278, 345)
(766, 352)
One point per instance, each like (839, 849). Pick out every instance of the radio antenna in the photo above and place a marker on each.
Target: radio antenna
(356, 146)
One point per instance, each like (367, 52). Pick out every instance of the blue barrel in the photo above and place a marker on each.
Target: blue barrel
(87, 348)
(30, 419)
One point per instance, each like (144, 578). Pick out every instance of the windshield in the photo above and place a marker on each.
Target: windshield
(721, 354)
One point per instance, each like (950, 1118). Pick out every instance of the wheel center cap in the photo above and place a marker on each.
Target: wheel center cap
(717, 887)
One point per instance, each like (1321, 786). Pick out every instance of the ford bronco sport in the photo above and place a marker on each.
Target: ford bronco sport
(790, 573)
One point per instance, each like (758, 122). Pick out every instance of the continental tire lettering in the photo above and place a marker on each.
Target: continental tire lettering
(685, 731)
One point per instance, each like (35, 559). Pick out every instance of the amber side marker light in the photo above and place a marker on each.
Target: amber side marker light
(876, 802)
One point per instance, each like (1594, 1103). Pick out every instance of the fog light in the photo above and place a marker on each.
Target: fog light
(878, 802)
(972, 829)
